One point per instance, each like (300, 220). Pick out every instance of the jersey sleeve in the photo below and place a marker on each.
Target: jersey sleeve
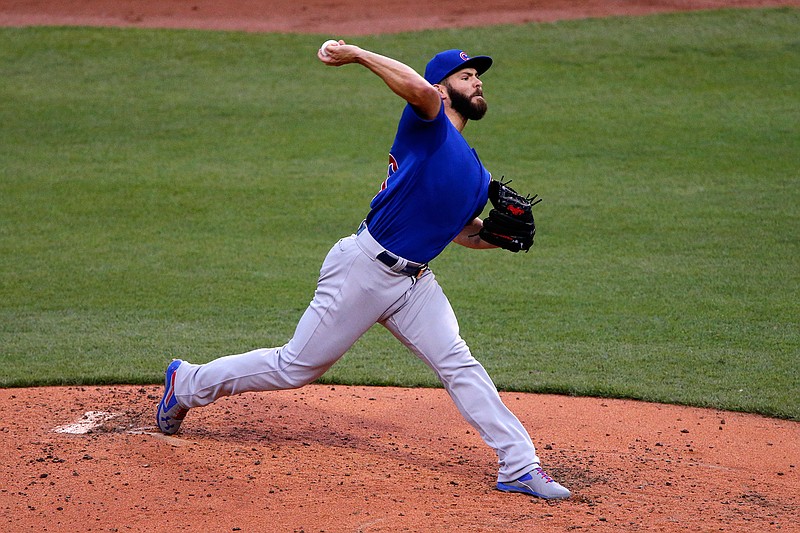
(416, 134)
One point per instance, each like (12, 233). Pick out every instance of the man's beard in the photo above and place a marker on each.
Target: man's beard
(466, 106)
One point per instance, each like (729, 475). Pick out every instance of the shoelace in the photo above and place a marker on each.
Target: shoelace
(543, 474)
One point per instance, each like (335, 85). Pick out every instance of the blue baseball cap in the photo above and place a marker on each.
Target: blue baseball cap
(445, 63)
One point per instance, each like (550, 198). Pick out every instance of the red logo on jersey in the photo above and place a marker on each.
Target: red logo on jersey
(392, 168)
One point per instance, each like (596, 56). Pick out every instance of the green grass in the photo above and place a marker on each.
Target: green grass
(173, 193)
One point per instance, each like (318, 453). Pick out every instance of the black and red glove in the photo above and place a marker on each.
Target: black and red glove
(510, 224)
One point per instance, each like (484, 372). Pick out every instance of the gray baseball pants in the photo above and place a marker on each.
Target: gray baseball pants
(355, 291)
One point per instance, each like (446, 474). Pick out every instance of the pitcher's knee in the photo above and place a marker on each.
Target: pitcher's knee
(451, 370)
(296, 376)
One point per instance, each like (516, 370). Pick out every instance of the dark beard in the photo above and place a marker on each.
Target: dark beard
(465, 106)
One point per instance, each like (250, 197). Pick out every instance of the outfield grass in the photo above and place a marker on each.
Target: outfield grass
(173, 193)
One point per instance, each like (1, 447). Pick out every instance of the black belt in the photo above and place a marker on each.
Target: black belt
(414, 270)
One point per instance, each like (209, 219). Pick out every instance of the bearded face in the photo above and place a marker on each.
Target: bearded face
(469, 104)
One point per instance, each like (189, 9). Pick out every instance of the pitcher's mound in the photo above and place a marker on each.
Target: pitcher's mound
(333, 458)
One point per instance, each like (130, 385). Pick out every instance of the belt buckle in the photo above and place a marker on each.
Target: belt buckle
(421, 271)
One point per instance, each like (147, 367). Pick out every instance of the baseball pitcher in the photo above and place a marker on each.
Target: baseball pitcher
(435, 189)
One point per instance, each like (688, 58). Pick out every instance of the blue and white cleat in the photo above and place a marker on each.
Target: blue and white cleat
(536, 483)
(170, 414)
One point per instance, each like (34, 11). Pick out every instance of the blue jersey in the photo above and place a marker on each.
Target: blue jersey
(434, 187)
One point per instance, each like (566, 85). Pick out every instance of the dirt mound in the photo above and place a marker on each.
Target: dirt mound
(333, 458)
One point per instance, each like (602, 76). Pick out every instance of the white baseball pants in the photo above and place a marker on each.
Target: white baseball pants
(354, 292)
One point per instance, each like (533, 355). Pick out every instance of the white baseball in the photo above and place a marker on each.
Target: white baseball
(323, 50)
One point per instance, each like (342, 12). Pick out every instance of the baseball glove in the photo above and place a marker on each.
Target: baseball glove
(510, 224)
